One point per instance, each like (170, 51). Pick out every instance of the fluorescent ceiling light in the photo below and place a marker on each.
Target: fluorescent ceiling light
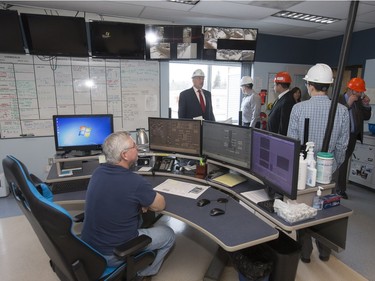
(305, 17)
(190, 2)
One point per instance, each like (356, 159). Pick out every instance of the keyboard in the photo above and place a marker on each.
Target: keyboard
(267, 205)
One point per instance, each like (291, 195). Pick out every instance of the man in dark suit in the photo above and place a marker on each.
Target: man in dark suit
(195, 102)
(359, 108)
(278, 118)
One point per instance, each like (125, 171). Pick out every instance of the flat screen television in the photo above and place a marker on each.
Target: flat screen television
(226, 143)
(175, 135)
(173, 42)
(55, 35)
(81, 134)
(11, 34)
(229, 43)
(275, 161)
(117, 40)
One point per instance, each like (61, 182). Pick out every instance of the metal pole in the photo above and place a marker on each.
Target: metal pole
(342, 62)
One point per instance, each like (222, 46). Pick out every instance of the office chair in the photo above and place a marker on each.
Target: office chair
(70, 257)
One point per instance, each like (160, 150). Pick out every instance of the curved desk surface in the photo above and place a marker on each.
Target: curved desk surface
(226, 229)
(237, 229)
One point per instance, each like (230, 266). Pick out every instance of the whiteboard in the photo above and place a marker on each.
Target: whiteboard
(33, 88)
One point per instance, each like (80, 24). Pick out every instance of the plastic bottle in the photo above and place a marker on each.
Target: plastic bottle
(302, 173)
(318, 202)
(311, 165)
(310, 155)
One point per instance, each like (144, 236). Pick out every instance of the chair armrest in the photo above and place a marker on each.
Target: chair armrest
(132, 246)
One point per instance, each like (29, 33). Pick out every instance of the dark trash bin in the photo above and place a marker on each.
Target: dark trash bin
(284, 252)
(252, 263)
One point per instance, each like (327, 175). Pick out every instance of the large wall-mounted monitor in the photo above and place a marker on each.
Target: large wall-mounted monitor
(227, 143)
(173, 42)
(81, 133)
(117, 40)
(10, 32)
(55, 35)
(229, 43)
(275, 161)
(175, 135)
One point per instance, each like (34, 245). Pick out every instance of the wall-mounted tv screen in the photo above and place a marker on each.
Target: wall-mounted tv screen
(175, 135)
(11, 34)
(173, 42)
(229, 43)
(55, 35)
(81, 133)
(226, 143)
(274, 160)
(117, 40)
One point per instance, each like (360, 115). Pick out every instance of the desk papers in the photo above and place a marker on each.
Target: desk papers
(229, 179)
(256, 196)
(180, 188)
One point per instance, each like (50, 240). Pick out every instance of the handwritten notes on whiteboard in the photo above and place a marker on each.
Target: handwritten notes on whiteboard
(34, 88)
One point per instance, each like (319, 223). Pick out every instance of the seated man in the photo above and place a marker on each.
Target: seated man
(115, 198)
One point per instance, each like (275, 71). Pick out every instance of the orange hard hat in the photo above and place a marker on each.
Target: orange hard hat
(357, 84)
(283, 77)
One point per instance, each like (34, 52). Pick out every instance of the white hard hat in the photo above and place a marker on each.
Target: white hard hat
(320, 73)
(198, 72)
(246, 80)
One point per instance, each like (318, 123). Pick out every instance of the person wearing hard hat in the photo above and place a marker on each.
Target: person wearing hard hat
(251, 103)
(196, 102)
(316, 109)
(278, 118)
(359, 108)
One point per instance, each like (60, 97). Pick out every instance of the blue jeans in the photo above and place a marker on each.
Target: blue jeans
(163, 238)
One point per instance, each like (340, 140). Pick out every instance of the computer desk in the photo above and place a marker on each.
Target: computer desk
(237, 229)
(330, 225)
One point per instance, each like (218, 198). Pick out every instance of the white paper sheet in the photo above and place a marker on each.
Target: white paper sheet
(180, 188)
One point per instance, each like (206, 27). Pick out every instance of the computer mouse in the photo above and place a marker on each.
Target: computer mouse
(203, 202)
(217, 212)
(222, 200)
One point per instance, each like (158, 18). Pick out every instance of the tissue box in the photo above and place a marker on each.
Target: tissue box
(331, 200)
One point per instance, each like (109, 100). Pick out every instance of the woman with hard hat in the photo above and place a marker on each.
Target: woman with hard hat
(278, 118)
(251, 103)
(316, 109)
(359, 108)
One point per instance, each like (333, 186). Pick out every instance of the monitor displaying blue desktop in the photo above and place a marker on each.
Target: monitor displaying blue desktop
(226, 143)
(81, 133)
(275, 161)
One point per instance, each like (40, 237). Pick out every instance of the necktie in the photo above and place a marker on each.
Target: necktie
(203, 106)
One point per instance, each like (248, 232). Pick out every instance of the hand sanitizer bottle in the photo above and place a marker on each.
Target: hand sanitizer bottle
(318, 202)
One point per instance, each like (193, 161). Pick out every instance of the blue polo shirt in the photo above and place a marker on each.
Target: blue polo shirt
(113, 204)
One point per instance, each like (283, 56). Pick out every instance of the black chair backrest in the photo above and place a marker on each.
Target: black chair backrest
(53, 226)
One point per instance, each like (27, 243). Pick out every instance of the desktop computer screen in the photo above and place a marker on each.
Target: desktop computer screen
(275, 161)
(175, 135)
(81, 133)
(226, 143)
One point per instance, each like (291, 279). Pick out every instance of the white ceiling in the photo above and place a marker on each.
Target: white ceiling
(252, 14)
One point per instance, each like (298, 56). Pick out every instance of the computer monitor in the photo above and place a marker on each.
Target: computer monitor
(275, 161)
(81, 133)
(117, 40)
(226, 143)
(11, 34)
(49, 35)
(229, 43)
(175, 135)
